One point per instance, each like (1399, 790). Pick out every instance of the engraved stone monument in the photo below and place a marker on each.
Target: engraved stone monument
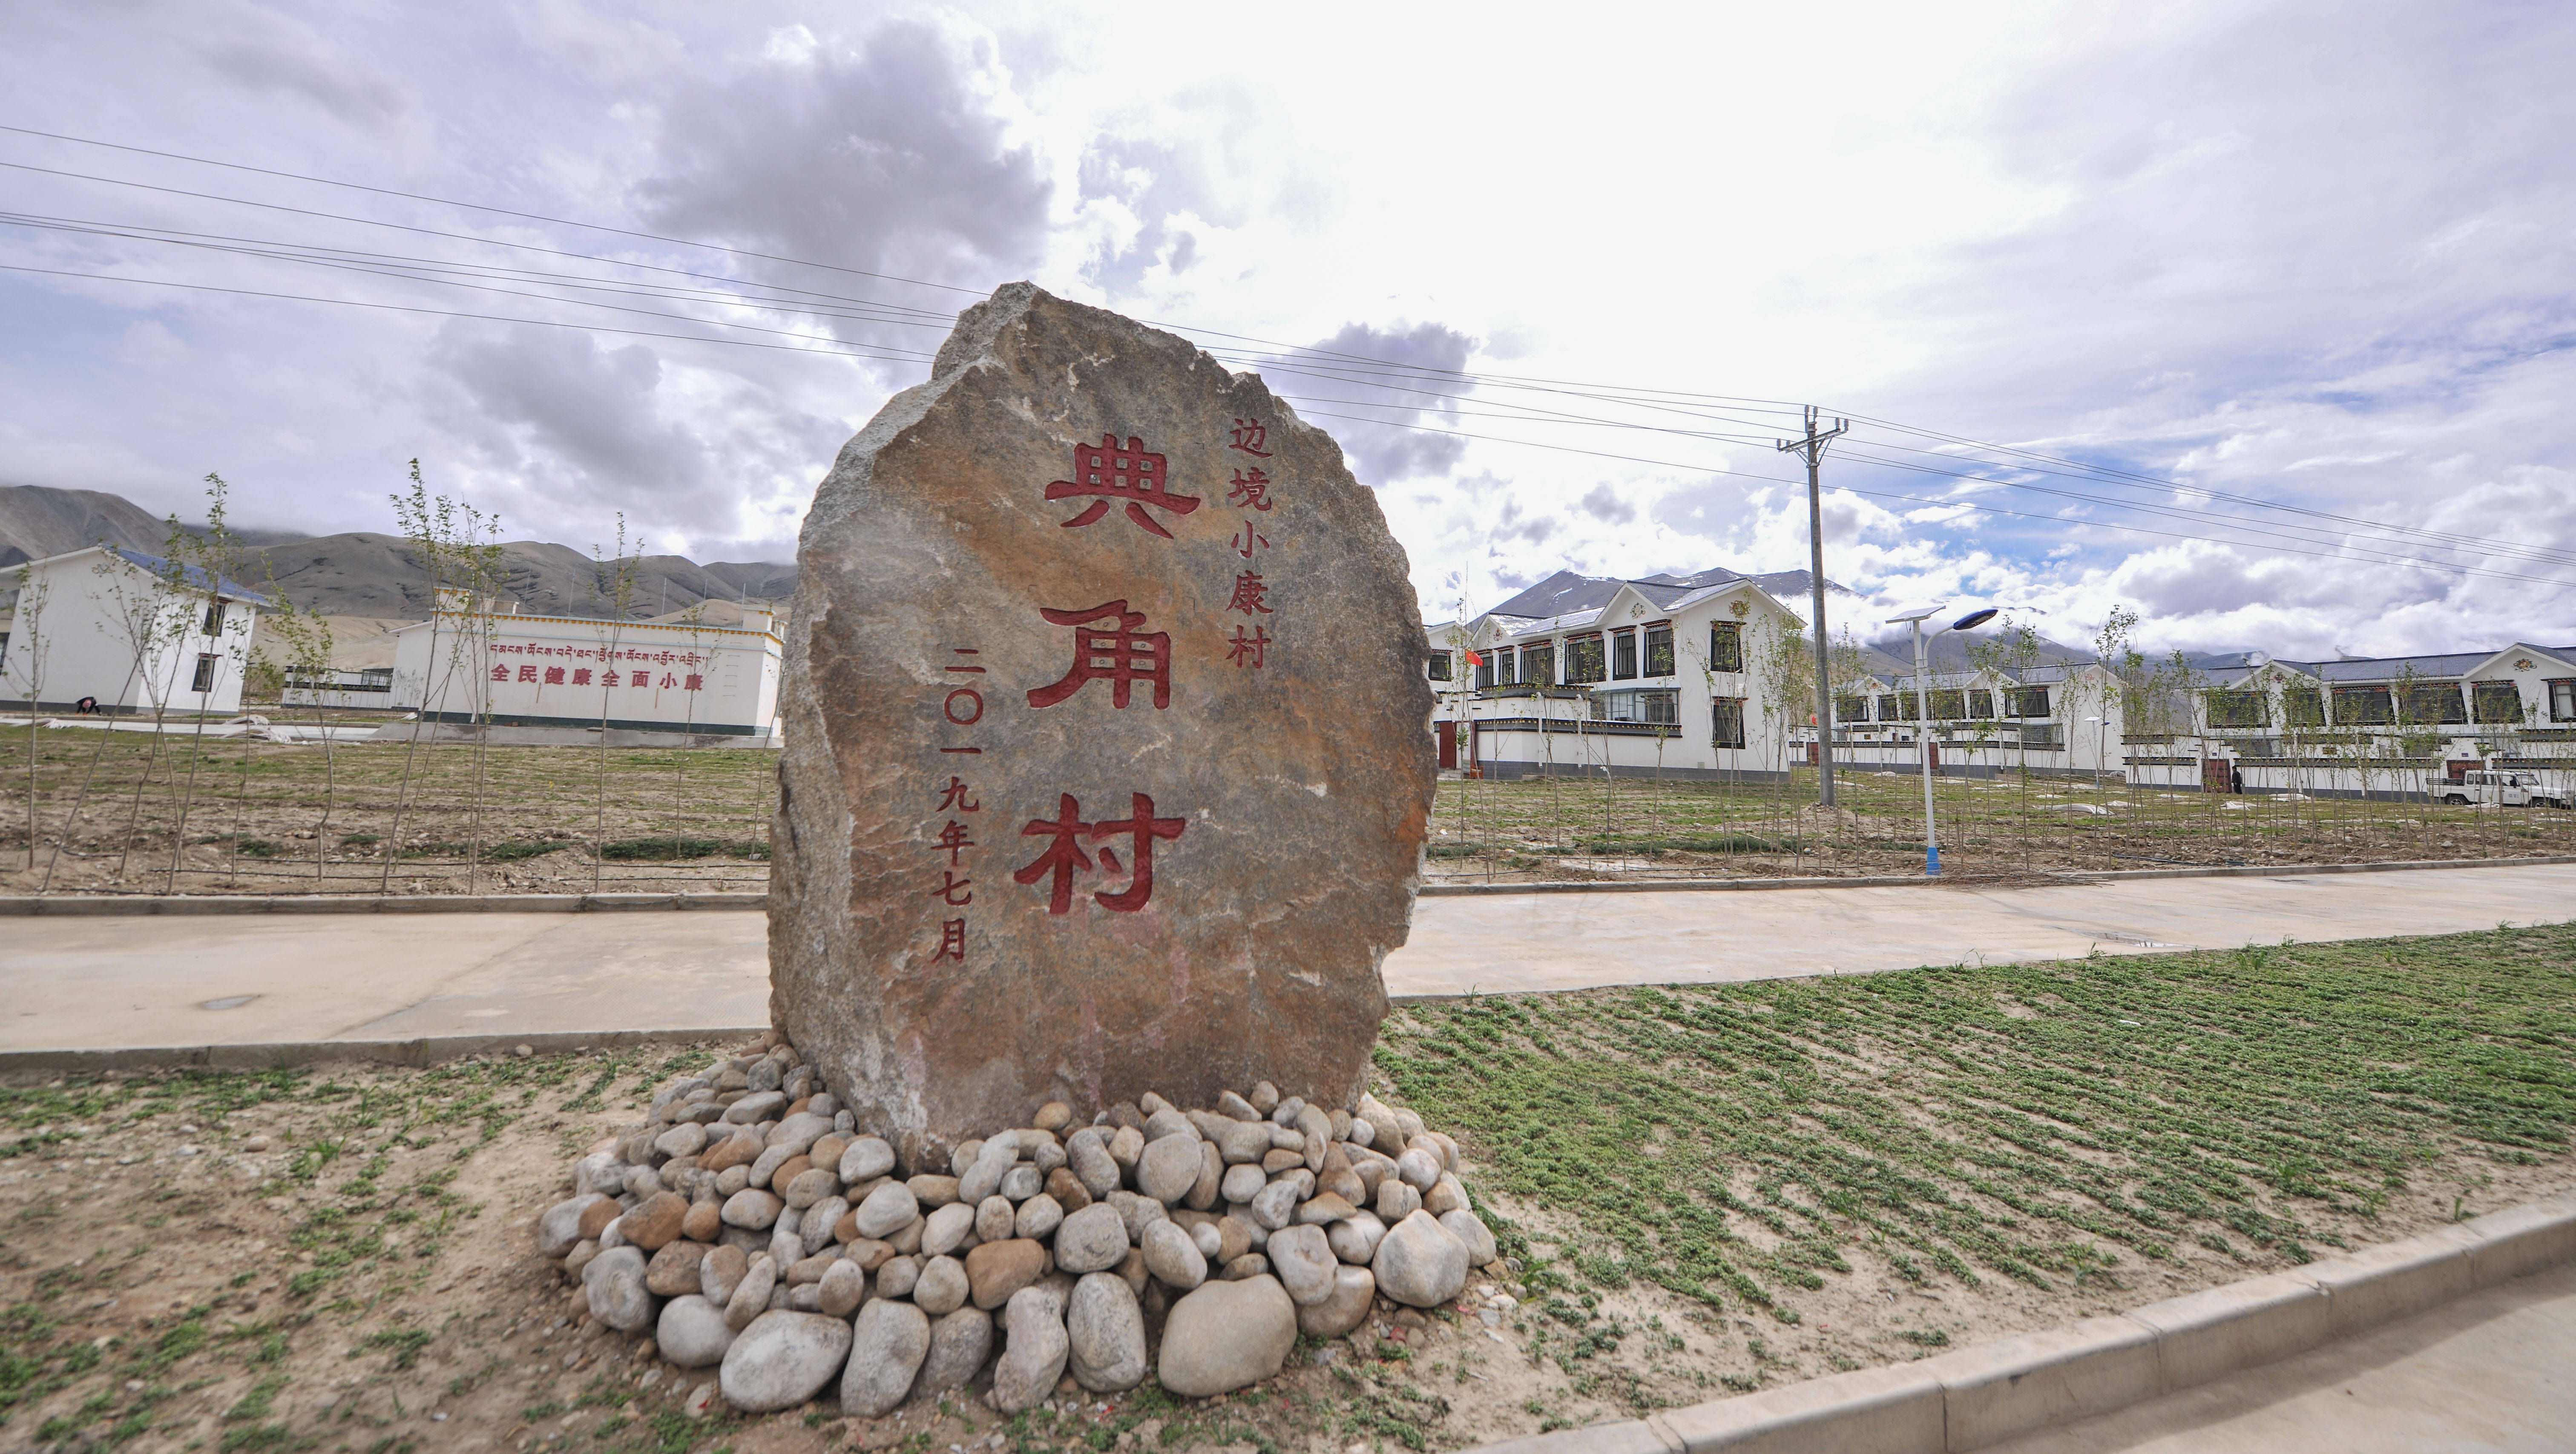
(1108, 762)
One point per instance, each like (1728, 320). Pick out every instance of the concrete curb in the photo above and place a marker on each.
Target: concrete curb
(2113, 875)
(138, 904)
(52, 905)
(1985, 1394)
(426, 1051)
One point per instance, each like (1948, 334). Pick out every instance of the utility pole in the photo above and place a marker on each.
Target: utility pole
(1812, 448)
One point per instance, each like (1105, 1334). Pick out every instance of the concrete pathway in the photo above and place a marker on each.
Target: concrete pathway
(236, 979)
(2493, 1371)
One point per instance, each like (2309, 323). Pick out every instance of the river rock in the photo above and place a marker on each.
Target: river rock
(1034, 1347)
(866, 1159)
(1087, 1155)
(1354, 1238)
(1225, 1336)
(614, 1284)
(1091, 1240)
(886, 1351)
(1347, 1308)
(1469, 1228)
(1169, 1167)
(1420, 1262)
(721, 1272)
(691, 1332)
(674, 1269)
(1304, 1263)
(887, 1210)
(783, 1359)
(559, 1227)
(933, 545)
(1105, 1334)
(959, 1344)
(1174, 1256)
(751, 1294)
(752, 1209)
(942, 1286)
(999, 1270)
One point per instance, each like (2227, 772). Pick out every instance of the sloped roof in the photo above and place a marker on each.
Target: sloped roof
(1566, 591)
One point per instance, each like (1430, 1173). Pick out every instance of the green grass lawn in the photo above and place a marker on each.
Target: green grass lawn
(2055, 1124)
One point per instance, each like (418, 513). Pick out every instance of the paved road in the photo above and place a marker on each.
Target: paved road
(2493, 1371)
(94, 983)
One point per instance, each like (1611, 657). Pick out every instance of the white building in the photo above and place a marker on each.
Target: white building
(129, 631)
(2382, 726)
(1681, 678)
(2056, 719)
(505, 669)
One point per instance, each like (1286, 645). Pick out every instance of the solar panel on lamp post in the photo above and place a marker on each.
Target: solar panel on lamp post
(1923, 717)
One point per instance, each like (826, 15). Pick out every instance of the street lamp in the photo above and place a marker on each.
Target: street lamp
(1923, 717)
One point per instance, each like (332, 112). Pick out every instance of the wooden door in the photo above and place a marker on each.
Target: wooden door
(1448, 747)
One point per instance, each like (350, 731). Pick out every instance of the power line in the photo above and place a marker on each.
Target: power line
(1361, 370)
(480, 207)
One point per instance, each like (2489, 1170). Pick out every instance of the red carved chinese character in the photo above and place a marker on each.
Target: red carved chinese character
(1251, 491)
(608, 679)
(1248, 591)
(1144, 827)
(581, 676)
(952, 941)
(554, 676)
(1120, 655)
(1245, 540)
(1249, 436)
(500, 673)
(668, 680)
(1062, 856)
(952, 798)
(527, 673)
(951, 887)
(1128, 474)
(1242, 647)
(954, 839)
(693, 682)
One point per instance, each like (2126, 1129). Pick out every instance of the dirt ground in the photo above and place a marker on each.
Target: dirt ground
(342, 1259)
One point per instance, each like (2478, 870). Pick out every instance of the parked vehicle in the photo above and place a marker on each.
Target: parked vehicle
(2501, 789)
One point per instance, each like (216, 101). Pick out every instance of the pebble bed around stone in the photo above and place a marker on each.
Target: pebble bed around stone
(748, 1226)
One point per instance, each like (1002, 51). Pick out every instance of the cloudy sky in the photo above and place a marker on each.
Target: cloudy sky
(2254, 318)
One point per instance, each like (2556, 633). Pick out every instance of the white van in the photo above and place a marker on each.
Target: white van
(2500, 789)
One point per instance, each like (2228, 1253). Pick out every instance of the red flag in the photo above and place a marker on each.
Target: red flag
(1474, 659)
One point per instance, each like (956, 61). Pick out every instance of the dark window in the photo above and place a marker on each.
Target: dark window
(2498, 701)
(1892, 705)
(1507, 668)
(2436, 704)
(1650, 704)
(2302, 707)
(2238, 709)
(1851, 709)
(1440, 666)
(1981, 704)
(1538, 664)
(1726, 727)
(1949, 706)
(1659, 649)
(205, 673)
(2041, 735)
(2562, 700)
(1725, 646)
(1485, 667)
(214, 622)
(1583, 661)
(1623, 655)
(2030, 702)
(2362, 707)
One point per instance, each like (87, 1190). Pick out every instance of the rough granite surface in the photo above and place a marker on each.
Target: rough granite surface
(945, 988)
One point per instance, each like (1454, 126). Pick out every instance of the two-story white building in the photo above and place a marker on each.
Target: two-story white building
(1690, 677)
(2060, 719)
(501, 668)
(126, 633)
(2379, 725)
